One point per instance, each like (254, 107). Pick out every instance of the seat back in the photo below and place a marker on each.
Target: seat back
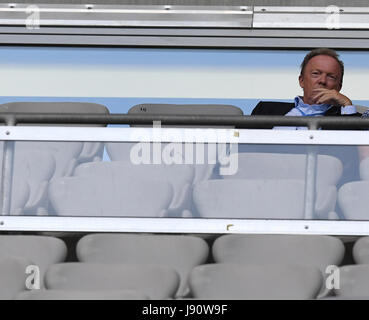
(364, 167)
(286, 166)
(67, 155)
(309, 250)
(186, 109)
(351, 199)
(181, 253)
(179, 176)
(42, 251)
(263, 199)
(157, 282)
(109, 195)
(243, 282)
(12, 276)
(203, 160)
(81, 295)
(353, 281)
(360, 250)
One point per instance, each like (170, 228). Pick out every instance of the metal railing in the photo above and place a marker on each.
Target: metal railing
(244, 122)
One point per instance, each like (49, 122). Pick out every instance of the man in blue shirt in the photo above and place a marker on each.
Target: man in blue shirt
(321, 79)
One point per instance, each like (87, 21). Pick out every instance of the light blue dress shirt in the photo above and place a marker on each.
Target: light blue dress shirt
(315, 110)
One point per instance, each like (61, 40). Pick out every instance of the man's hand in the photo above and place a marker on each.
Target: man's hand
(332, 97)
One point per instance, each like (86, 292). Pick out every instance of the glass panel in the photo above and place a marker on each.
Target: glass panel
(191, 180)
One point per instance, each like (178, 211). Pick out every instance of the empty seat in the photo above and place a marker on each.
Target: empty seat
(309, 250)
(352, 200)
(286, 166)
(35, 168)
(202, 159)
(157, 282)
(67, 154)
(186, 109)
(364, 165)
(110, 196)
(360, 251)
(41, 251)
(12, 276)
(353, 282)
(236, 281)
(81, 295)
(247, 199)
(179, 176)
(170, 153)
(179, 252)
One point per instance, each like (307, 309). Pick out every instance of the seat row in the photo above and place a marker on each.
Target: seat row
(122, 188)
(147, 266)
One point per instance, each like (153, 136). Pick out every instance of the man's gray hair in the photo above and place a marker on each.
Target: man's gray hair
(324, 52)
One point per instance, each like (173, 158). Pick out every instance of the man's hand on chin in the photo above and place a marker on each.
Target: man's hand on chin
(330, 96)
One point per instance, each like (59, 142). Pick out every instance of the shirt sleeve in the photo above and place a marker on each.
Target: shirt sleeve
(348, 110)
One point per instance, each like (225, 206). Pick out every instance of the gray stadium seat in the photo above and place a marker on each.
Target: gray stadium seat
(41, 251)
(308, 250)
(27, 176)
(81, 295)
(179, 252)
(157, 282)
(246, 199)
(311, 250)
(364, 168)
(353, 282)
(285, 166)
(35, 168)
(67, 155)
(12, 276)
(360, 251)
(110, 195)
(203, 170)
(352, 200)
(253, 282)
(179, 176)
(186, 109)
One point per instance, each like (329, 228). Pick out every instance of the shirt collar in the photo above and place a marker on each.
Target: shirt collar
(307, 109)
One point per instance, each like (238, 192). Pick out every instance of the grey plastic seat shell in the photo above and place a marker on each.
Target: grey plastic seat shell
(251, 282)
(81, 295)
(82, 151)
(243, 198)
(352, 200)
(157, 282)
(309, 250)
(41, 251)
(181, 252)
(286, 166)
(104, 196)
(54, 107)
(360, 251)
(179, 176)
(12, 276)
(186, 109)
(353, 281)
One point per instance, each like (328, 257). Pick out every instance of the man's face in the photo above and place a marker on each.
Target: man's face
(320, 72)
